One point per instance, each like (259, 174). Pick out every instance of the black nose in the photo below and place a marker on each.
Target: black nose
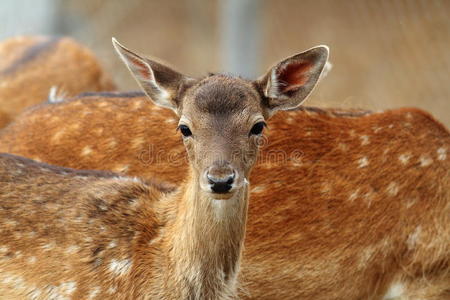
(221, 185)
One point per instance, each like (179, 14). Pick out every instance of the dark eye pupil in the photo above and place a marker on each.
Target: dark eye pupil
(257, 128)
(185, 131)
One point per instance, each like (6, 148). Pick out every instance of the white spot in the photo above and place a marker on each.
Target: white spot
(18, 282)
(55, 96)
(57, 136)
(75, 126)
(364, 140)
(395, 291)
(354, 195)
(94, 292)
(31, 259)
(170, 121)
(112, 290)
(409, 115)
(368, 197)
(410, 202)
(391, 126)
(86, 113)
(363, 162)
(102, 206)
(112, 244)
(290, 120)
(258, 189)
(376, 129)
(154, 240)
(68, 288)
(52, 292)
(102, 104)
(135, 202)
(86, 151)
(404, 158)
(34, 294)
(326, 188)
(11, 223)
(31, 234)
(137, 105)
(121, 168)
(7, 279)
(72, 249)
(392, 189)
(352, 132)
(48, 247)
(425, 161)
(366, 256)
(3, 249)
(112, 143)
(442, 153)
(18, 254)
(413, 238)
(120, 267)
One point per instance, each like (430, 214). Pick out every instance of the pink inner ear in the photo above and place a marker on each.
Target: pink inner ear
(140, 66)
(294, 76)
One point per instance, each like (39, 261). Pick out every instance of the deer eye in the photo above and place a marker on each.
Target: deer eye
(258, 128)
(185, 131)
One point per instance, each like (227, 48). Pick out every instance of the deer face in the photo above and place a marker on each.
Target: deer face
(221, 121)
(222, 118)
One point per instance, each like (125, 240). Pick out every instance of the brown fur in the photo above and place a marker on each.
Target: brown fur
(183, 245)
(30, 66)
(80, 234)
(324, 223)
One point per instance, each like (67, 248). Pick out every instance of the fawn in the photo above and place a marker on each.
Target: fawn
(345, 205)
(73, 234)
(31, 65)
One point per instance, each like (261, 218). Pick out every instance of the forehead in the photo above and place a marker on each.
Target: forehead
(222, 95)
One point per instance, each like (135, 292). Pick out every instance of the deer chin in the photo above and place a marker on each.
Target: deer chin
(223, 196)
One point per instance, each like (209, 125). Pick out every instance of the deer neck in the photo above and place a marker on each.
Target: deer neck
(204, 241)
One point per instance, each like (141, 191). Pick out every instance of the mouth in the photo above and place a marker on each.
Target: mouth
(222, 196)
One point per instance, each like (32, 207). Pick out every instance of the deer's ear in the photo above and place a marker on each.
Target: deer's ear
(159, 82)
(287, 84)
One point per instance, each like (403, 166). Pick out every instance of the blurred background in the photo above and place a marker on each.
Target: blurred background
(384, 53)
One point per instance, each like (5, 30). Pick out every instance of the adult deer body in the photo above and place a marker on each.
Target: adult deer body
(31, 65)
(64, 229)
(344, 205)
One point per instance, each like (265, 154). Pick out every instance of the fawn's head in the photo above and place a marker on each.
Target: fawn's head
(221, 118)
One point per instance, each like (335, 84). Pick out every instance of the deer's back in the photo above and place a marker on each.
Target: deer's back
(360, 203)
(120, 132)
(30, 66)
(66, 233)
